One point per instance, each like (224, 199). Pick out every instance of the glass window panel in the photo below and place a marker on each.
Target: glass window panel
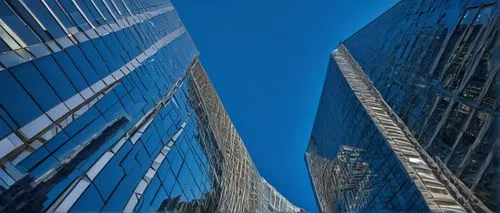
(93, 11)
(34, 83)
(81, 122)
(86, 12)
(112, 62)
(90, 201)
(77, 17)
(119, 6)
(108, 179)
(56, 8)
(55, 76)
(485, 15)
(490, 98)
(23, 109)
(153, 144)
(168, 178)
(487, 188)
(158, 199)
(17, 25)
(175, 160)
(102, 8)
(148, 195)
(3, 46)
(83, 64)
(4, 128)
(70, 70)
(44, 16)
(177, 192)
(112, 8)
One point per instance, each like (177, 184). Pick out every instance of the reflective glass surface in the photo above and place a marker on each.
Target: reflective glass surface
(104, 106)
(438, 75)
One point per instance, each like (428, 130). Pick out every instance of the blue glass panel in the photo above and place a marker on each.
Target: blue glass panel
(43, 166)
(108, 179)
(36, 85)
(61, 15)
(17, 102)
(82, 63)
(152, 144)
(33, 159)
(158, 198)
(16, 24)
(55, 76)
(142, 156)
(106, 102)
(75, 15)
(100, 5)
(148, 196)
(70, 70)
(112, 62)
(115, 111)
(48, 21)
(55, 142)
(95, 59)
(81, 122)
(90, 201)
(4, 128)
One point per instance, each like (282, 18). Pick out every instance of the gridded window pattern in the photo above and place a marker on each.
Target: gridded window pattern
(101, 109)
(360, 158)
(94, 111)
(439, 74)
(242, 189)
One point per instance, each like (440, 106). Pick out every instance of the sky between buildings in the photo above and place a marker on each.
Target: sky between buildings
(267, 60)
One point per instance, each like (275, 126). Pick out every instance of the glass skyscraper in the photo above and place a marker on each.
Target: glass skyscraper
(408, 118)
(104, 106)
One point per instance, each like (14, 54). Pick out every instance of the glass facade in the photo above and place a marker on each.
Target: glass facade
(104, 106)
(436, 78)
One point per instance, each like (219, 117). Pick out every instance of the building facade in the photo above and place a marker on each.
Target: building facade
(104, 106)
(418, 81)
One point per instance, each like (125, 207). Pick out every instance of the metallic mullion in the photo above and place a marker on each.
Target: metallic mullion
(116, 7)
(109, 10)
(32, 14)
(478, 140)
(98, 10)
(443, 120)
(55, 17)
(462, 130)
(126, 7)
(83, 14)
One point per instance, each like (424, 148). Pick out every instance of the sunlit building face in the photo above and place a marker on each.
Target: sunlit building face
(104, 106)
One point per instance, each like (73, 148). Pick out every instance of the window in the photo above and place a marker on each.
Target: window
(23, 109)
(13, 22)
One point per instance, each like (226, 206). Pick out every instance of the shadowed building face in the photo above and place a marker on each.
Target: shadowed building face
(415, 91)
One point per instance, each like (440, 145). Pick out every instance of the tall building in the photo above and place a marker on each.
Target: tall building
(412, 99)
(104, 106)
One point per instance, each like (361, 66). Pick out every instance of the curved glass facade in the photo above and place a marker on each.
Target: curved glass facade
(104, 106)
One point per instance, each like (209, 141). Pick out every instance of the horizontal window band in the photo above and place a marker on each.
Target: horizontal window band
(144, 183)
(71, 195)
(12, 58)
(34, 188)
(25, 140)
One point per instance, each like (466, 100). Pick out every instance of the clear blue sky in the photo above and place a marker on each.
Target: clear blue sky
(267, 60)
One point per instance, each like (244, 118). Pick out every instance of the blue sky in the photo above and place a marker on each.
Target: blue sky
(267, 60)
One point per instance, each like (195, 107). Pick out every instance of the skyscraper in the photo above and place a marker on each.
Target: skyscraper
(104, 106)
(409, 108)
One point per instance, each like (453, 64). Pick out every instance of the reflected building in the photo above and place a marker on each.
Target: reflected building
(415, 91)
(104, 106)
